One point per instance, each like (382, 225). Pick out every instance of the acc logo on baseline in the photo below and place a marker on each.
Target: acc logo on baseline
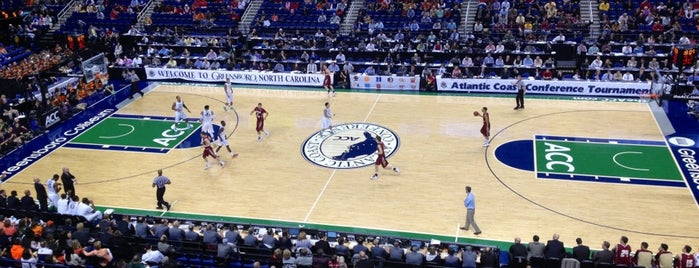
(350, 145)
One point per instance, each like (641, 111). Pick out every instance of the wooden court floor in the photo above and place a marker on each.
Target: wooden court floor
(440, 152)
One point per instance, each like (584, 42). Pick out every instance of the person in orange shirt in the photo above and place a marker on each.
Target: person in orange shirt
(16, 250)
(8, 229)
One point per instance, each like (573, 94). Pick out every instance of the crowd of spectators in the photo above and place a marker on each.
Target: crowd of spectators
(33, 232)
(313, 14)
(201, 14)
(36, 63)
(22, 119)
(531, 20)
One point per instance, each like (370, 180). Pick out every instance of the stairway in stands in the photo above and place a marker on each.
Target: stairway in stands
(47, 40)
(249, 16)
(589, 11)
(468, 17)
(146, 12)
(351, 16)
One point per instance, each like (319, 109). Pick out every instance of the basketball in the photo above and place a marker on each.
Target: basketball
(475, 113)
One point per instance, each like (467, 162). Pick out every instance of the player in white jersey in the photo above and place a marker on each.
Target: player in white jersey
(53, 187)
(178, 106)
(223, 140)
(327, 118)
(207, 121)
(228, 88)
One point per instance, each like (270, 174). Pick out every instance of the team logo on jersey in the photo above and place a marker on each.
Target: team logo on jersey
(348, 146)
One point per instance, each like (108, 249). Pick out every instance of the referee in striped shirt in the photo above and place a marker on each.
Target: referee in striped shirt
(160, 181)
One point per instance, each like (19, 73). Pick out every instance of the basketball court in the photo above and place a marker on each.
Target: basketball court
(590, 169)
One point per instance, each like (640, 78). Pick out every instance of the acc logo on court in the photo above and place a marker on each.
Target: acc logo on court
(348, 146)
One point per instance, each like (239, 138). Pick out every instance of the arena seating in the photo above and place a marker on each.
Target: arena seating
(173, 14)
(196, 253)
(298, 15)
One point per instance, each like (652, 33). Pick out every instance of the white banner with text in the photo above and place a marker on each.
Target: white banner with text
(555, 87)
(237, 77)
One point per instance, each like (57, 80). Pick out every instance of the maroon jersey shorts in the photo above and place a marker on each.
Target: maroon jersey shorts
(208, 151)
(381, 160)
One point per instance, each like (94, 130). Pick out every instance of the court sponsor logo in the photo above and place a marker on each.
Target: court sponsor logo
(56, 142)
(51, 118)
(685, 153)
(681, 141)
(599, 160)
(348, 146)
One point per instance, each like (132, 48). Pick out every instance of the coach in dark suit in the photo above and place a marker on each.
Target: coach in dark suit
(581, 252)
(3, 199)
(518, 254)
(13, 200)
(555, 248)
(68, 181)
(41, 195)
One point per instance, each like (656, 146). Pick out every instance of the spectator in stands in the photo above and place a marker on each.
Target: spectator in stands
(171, 63)
(104, 255)
(287, 259)
(165, 247)
(528, 62)
(152, 257)
(278, 68)
(212, 237)
(311, 68)
(560, 38)
(341, 249)
(414, 257)
(268, 239)
(164, 52)
(174, 233)
(370, 70)
(232, 235)
(142, 229)
(206, 65)
(433, 257)
(618, 76)
(192, 235)
(605, 256)
(304, 259)
(597, 63)
(631, 63)
(320, 259)
(547, 74)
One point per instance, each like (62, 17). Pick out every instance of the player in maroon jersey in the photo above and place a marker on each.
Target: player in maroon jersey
(381, 160)
(327, 82)
(208, 150)
(261, 115)
(686, 259)
(622, 252)
(485, 129)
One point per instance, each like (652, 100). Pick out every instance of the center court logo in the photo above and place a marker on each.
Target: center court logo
(348, 146)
